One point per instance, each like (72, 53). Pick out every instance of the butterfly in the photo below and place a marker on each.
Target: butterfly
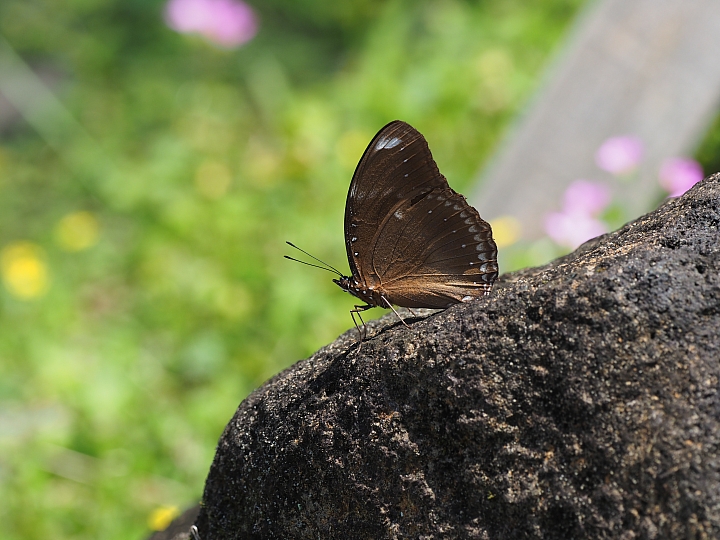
(411, 240)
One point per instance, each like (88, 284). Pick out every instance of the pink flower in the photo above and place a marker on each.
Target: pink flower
(228, 23)
(576, 223)
(677, 175)
(619, 155)
(586, 197)
(571, 230)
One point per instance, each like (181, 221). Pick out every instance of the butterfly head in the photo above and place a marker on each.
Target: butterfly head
(347, 284)
(351, 285)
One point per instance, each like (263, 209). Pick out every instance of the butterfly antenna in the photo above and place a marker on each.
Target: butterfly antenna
(311, 264)
(326, 267)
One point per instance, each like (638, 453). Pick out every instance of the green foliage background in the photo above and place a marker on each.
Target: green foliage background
(116, 384)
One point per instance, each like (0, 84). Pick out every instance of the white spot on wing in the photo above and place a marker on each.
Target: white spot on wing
(387, 142)
(467, 298)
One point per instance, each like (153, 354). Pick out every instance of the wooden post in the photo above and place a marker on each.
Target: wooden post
(648, 68)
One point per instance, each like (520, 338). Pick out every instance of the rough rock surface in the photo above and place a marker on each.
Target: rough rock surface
(579, 400)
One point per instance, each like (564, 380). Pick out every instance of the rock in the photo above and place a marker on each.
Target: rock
(579, 400)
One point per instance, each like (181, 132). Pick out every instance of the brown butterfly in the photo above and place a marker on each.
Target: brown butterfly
(411, 240)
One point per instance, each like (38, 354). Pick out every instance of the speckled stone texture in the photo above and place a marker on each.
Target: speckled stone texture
(579, 401)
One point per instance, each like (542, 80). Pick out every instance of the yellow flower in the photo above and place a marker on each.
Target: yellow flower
(506, 230)
(24, 271)
(77, 231)
(161, 517)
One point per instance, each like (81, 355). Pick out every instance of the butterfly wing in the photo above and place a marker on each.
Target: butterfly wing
(408, 232)
(396, 164)
(434, 251)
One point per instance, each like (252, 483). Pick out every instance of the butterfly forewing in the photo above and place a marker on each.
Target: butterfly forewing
(407, 233)
(397, 162)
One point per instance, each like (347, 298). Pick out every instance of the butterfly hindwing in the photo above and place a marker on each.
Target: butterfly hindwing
(434, 252)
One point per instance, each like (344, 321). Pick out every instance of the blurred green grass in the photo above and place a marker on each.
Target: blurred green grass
(195, 164)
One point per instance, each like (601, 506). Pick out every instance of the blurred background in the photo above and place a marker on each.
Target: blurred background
(154, 158)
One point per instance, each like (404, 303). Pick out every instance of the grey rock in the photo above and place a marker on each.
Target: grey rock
(579, 400)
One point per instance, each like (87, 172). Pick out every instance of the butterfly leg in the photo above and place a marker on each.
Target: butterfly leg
(395, 312)
(357, 310)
